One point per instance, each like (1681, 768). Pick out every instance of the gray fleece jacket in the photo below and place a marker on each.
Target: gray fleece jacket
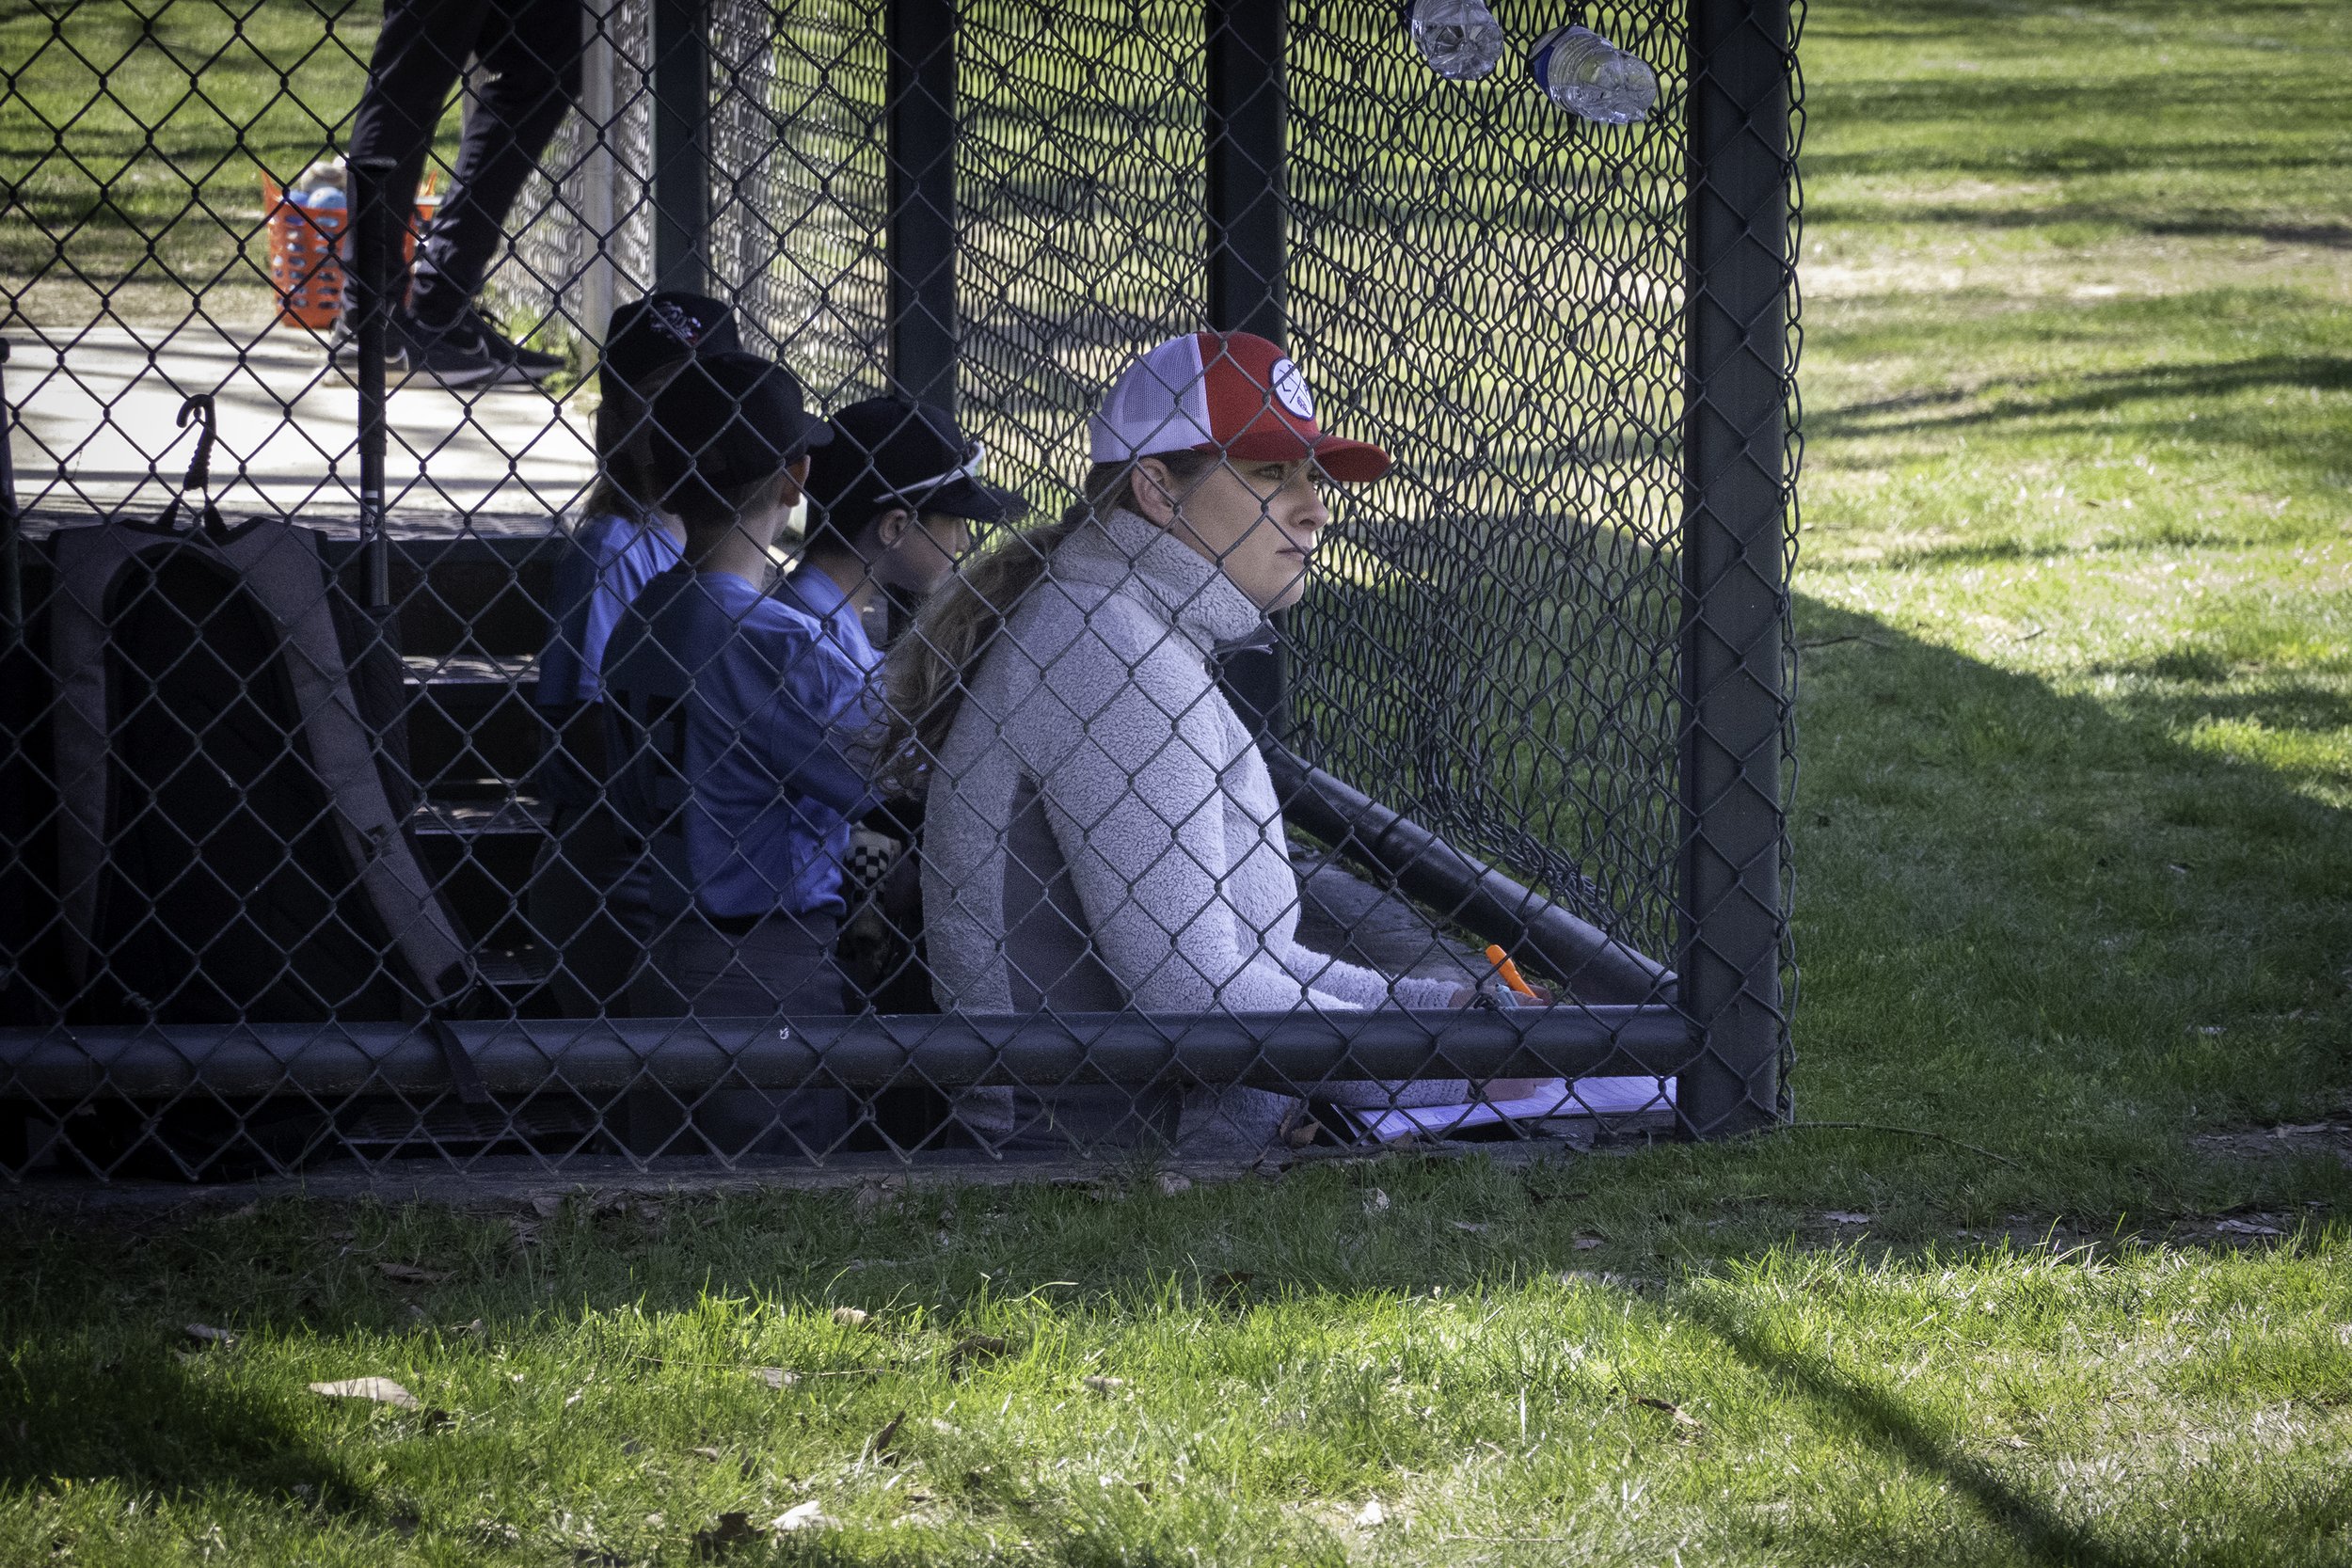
(1101, 831)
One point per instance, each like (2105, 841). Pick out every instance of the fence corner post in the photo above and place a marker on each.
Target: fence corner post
(919, 102)
(681, 145)
(1246, 132)
(1735, 586)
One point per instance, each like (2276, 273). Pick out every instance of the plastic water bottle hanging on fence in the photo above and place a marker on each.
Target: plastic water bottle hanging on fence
(1460, 38)
(1586, 75)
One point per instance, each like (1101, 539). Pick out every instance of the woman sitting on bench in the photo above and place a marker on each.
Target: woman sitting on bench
(1099, 831)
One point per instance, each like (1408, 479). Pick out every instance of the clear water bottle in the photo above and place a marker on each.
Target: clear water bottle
(1586, 75)
(1460, 38)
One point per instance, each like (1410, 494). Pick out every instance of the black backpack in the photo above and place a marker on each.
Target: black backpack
(234, 844)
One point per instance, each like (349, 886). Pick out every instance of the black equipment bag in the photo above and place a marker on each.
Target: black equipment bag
(231, 764)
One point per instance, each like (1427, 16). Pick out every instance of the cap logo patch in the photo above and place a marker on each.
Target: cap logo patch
(1290, 390)
(685, 328)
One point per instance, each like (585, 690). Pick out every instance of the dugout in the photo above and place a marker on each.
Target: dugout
(1544, 691)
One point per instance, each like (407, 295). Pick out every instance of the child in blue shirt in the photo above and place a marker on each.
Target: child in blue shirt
(738, 768)
(587, 897)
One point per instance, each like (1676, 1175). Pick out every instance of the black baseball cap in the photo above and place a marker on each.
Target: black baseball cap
(648, 336)
(892, 451)
(727, 421)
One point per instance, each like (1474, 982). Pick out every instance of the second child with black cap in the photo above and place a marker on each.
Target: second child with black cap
(892, 503)
(737, 713)
(892, 500)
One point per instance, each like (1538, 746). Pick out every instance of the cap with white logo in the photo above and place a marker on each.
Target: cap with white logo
(1231, 392)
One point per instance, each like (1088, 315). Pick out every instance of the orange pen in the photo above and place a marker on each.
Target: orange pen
(1510, 973)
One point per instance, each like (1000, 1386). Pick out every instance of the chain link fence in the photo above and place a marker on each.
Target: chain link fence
(341, 823)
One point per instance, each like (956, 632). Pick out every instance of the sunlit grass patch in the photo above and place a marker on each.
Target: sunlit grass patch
(1954, 1396)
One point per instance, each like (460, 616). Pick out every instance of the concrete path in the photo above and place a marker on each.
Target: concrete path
(95, 435)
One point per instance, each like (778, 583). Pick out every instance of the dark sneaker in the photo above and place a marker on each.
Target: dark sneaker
(532, 363)
(457, 355)
(535, 363)
(343, 348)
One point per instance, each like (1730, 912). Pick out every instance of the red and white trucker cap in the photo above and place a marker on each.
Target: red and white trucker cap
(1232, 392)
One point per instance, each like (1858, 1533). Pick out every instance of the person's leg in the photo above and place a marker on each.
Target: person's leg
(527, 76)
(421, 51)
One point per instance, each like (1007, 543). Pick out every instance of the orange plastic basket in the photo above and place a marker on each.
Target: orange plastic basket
(306, 255)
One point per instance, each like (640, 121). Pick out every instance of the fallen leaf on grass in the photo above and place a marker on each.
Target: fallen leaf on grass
(880, 1446)
(1537, 1194)
(547, 1205)
(1376, 1202)
(1603, 1281)
(409, 1274)
(711, 1454)
(1104, 1385)
(808, 1515)
(2301, 1130)
(732, 1531)
(973, 1347)
(1172, 1182)
(209, 1335)
(382, 1390)
(852, 1317)
(1843, 1216)
(872, 1197)
(1586, 1243)
(1371, 1515)
(1470, 1227)
(1686, 1425)
(778, 1378)
(2246, 1227)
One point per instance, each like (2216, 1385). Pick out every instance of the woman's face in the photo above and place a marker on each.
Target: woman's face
(1258, 521)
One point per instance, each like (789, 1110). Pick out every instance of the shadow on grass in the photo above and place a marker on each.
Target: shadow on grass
(2103, 391)
(146, 1420)
(1884, 1421)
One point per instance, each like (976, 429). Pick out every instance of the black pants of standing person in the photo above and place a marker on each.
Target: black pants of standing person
(529, 55)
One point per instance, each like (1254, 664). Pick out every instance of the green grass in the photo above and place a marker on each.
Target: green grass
(2075, 888)
(134, 135)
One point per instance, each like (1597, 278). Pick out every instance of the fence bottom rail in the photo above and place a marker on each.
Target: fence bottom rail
(873, 1052)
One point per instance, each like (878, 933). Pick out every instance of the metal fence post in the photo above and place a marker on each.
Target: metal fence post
(373, 229)
(1249, 246)
(681, 144)
(597, 292)
(920, 36)
(11, 551)
(1734, 563)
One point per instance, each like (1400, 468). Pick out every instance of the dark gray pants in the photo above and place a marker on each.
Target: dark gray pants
(783, 965)
(526, 76)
